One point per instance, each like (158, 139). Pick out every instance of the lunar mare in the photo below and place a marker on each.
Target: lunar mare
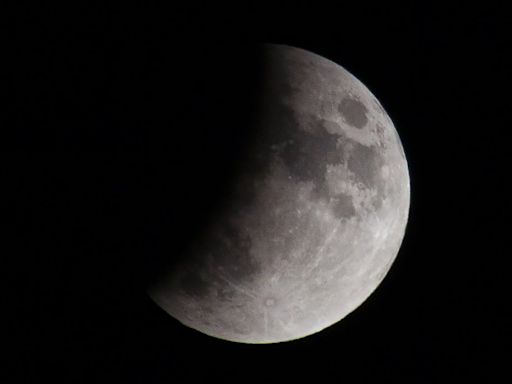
(315, 218)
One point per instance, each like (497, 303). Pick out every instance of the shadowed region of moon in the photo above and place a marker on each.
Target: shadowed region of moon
(313, 219)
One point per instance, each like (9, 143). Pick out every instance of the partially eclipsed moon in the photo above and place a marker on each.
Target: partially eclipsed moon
(316, 217)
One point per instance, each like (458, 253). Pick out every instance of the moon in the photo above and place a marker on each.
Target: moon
(314, 219)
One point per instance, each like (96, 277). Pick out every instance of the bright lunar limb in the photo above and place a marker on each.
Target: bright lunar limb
(316, 215)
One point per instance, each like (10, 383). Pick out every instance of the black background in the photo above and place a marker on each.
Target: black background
(128, 120)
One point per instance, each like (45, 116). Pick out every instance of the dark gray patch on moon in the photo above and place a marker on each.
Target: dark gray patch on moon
(365, 162)
(305, 153)
(343, 206)
(307, 148)
(354, 112)
(308, 154)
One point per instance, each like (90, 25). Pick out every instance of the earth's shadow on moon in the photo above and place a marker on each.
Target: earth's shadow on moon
(202, 114)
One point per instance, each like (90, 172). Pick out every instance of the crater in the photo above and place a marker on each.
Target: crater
(354, 112)
(270, 302)
(380, 132)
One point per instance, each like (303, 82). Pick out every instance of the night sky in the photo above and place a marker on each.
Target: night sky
(128, 122)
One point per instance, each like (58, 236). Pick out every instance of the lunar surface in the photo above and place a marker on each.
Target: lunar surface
(315, 217)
